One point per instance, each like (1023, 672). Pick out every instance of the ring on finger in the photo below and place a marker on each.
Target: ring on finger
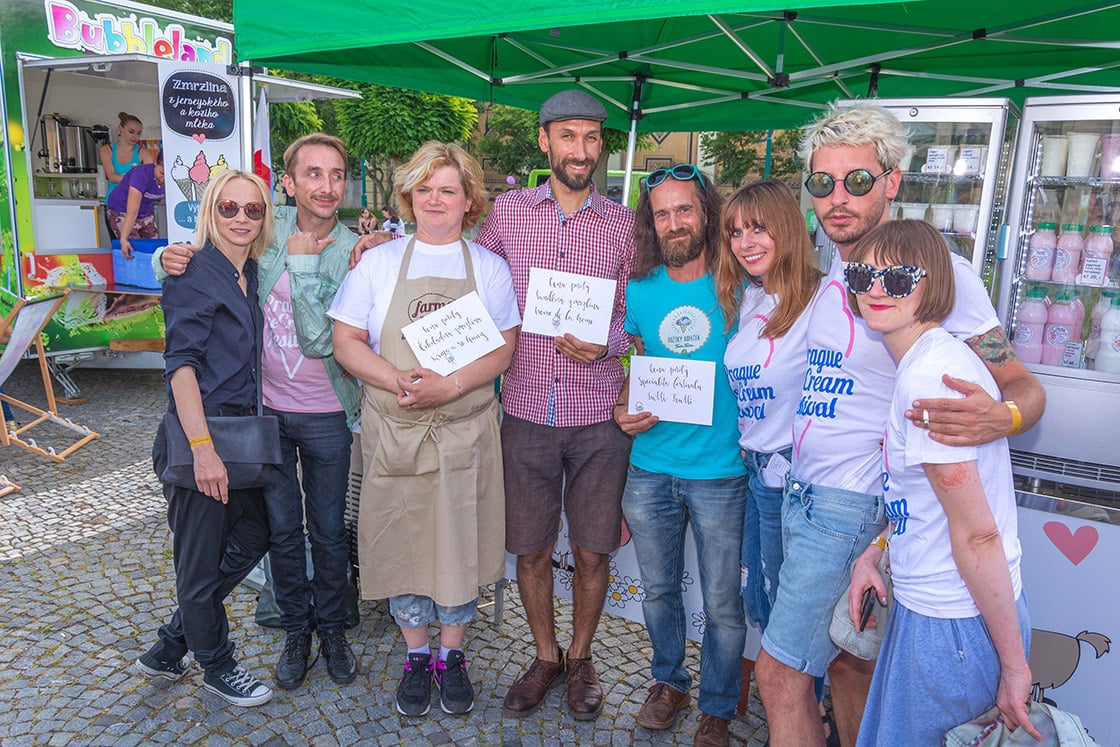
(925, 418)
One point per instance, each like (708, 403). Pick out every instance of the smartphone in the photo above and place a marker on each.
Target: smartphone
(866, 604)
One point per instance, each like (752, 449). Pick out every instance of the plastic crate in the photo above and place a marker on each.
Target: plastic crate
(136, 272)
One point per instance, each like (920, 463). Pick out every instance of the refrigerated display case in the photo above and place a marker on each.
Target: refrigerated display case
(956, 175)
(1060, 276)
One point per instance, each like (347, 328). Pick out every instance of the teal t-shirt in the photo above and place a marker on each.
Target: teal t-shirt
(684, 320)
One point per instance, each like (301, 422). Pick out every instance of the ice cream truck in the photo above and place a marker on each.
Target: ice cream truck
(67, 68)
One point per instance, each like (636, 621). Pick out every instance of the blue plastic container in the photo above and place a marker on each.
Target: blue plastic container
(136, 272)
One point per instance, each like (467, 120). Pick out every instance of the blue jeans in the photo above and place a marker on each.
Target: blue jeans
(762, 540)
(658, 508)
(321, 444)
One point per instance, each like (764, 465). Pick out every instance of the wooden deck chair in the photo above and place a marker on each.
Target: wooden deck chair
(26, 322)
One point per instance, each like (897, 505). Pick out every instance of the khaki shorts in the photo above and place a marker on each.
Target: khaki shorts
(581, 469)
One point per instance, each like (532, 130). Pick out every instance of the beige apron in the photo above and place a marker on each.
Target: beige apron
(432, 513)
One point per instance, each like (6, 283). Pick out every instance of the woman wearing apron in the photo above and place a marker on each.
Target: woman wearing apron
(431, 523)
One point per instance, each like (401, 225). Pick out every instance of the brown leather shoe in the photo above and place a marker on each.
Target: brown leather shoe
(662, 707)
(585, 695)
(712, 732)
(527, 693)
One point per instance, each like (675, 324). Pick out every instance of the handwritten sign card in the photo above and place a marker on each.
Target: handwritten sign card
(675, 389)
(561, 302)
(452, 337)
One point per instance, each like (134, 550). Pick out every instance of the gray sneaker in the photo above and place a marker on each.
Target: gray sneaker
(171, 670)
(238, 687)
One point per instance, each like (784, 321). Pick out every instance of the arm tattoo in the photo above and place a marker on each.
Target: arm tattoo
(951, 477)
(993, 347)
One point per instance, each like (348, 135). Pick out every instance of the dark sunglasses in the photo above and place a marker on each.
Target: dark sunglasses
(253, 210)
(899, 281)
(682, 172)
(858, 182)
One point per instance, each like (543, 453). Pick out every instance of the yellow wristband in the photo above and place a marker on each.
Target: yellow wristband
(200, 440)
(1016, 417)
(880, 542)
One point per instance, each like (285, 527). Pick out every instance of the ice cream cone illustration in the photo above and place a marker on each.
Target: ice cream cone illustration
(182, 178)
(200, 175)
(218, 167)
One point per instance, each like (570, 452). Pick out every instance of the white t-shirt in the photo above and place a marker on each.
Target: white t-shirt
(926, 579)
(846, 389)
(765, 373)
(363, 299)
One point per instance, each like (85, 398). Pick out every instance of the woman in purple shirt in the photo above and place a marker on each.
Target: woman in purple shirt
(130, 207)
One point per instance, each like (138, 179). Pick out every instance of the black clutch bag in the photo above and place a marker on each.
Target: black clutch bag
(249, 446)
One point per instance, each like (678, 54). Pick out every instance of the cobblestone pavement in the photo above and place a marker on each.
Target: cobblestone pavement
(86, 579)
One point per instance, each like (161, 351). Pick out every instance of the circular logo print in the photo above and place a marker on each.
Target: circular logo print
(684, 330)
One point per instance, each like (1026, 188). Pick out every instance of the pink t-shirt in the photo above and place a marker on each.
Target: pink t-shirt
(292, 383)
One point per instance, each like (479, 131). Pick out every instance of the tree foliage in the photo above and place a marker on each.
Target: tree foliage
(288, 121)
(743, 154)
(390, 123)
(219, 10)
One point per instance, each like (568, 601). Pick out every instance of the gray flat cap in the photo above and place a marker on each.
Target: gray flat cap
(572, 104)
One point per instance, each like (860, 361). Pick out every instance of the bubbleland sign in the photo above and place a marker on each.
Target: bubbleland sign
(199, 105)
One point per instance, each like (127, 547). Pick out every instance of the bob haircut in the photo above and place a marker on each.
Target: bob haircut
(430, 157)
(291, 153)
(768, 205)
(912, 242)
(208, 212)
(855, 127)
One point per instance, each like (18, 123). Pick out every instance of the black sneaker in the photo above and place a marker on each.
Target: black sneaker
(456, 696)
(341, 664)
(414, 693)
(292, 666)
(171, 670)
(238, 687)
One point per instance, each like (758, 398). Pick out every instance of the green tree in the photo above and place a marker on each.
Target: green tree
(288, 121)
(743, 154)
(220, 10)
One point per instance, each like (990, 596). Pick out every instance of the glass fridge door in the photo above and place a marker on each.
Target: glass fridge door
(1066, 269)
(956, 174)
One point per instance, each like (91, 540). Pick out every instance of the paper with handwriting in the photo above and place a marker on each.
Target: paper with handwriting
(674, 389)
(561, 302)
(454, 336)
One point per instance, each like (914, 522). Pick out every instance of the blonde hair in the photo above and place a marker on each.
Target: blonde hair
(768, 205)
(865, 124)
(430, 157)
(207, 225)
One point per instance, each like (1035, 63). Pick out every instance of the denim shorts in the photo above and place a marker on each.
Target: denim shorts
(418, 611)
(823, 531)
(932, 674)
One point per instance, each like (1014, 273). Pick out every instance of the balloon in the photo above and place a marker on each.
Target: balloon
(511, 180)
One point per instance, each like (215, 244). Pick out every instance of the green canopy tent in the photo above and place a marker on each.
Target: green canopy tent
(702, 65)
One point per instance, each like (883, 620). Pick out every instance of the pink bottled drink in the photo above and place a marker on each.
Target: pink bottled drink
(1060, 321)
(1030, 324)
(1067, 258)
(1040, 257)
(1097, 253)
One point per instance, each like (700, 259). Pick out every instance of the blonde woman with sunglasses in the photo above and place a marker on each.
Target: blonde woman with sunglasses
(212, 361)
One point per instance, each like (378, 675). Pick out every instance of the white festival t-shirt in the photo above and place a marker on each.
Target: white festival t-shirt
(765, 373)
(291, 382)
(848, 380)
(926, 579)
(363, 299)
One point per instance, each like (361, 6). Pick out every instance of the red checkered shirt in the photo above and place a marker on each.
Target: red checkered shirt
(526, 229)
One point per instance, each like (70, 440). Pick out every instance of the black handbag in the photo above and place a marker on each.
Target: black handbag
(248, 445)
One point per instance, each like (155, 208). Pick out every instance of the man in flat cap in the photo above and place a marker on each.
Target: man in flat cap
(560, 445)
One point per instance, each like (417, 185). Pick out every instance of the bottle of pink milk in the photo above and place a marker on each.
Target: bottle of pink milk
(1030, 324)
(1098, 251)
(1060, 321)
(1040, 257)
(1099, 310)
(1067, 257)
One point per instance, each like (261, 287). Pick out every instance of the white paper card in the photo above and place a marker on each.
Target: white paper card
(454, 336)
(561, 302)
(674, 389)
